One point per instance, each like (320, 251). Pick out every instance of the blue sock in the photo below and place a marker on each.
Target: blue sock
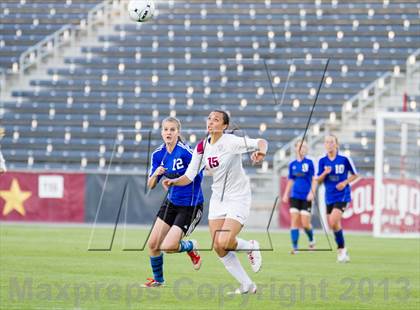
(310, 234)
(157, 266)
(185, 246)
(339, 238)
(294, 234)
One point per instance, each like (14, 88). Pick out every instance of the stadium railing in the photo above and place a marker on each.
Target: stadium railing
(101, 13)
(352, 109)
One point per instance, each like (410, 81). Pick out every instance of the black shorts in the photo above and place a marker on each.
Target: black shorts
(185, 217)
(300, 204)
(336, 205)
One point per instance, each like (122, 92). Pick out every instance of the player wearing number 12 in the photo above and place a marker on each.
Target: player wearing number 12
(182, 209)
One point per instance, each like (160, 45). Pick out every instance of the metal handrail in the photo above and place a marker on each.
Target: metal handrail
(411, 68)
(101, 13)
(49, 45)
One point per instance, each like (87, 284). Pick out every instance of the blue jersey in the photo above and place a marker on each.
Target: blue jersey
(340, 167)
(176, 164)
(301, 172)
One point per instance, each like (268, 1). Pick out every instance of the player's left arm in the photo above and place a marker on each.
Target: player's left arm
(350, 167)
(261, 152)
(314, 182)
(241, 145)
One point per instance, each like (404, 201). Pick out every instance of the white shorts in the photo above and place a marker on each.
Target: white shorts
(237, 209)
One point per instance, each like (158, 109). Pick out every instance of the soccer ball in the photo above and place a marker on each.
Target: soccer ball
(141, 10)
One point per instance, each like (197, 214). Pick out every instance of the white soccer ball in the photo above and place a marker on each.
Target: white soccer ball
(141, 10)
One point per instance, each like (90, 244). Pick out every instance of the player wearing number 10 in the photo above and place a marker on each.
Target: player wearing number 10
(333, 171)
(182, 209)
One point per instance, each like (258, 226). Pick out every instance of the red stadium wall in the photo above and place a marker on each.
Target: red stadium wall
(46, 197)
(400, 203)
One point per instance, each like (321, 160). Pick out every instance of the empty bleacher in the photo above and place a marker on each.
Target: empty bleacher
(194, 57)
(25, 23)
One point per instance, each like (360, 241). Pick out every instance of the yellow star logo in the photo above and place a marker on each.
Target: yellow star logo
(14, 198)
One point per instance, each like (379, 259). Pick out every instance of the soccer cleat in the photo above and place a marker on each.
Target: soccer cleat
(251, 289)
(343, 256)
(254, 256)
(152, 283)
(195, 256)
(312, 245)
(294, 251)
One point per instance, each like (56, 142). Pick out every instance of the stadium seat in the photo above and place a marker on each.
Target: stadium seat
(194, 58)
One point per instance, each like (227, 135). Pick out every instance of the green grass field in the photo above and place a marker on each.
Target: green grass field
(51, 268)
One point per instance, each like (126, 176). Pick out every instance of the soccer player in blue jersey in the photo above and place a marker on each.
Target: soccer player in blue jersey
(333, 171)
(182, 209)
(299, 193)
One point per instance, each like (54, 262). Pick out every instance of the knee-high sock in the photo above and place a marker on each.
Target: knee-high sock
(339, 238)
(243, 245)
(310, 234)
(185, 246)
(294, 235)
(234, 267)
(157, 267)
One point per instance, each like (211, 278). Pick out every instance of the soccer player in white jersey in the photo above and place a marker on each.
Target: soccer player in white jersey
(333, 171)
(230, 202)
(299, 193)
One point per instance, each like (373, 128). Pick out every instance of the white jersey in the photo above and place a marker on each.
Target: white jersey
(223, 159)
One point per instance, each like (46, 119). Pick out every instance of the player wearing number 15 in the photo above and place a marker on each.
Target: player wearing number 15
(182, 209)
(333, 171)
(230, 202)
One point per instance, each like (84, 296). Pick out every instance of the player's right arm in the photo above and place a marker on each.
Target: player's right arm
(156, 172)
(323, 171)
(286, 194)
(289, 185)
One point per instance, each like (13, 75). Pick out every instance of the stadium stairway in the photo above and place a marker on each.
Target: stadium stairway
(129, 76)
(357, 135)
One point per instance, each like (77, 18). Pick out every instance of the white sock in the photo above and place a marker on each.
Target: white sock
(243, 244)
(233, 265)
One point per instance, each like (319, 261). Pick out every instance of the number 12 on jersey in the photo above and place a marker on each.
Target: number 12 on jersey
(178, 164)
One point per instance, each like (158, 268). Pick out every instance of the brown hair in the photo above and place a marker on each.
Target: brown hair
(226, 118)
